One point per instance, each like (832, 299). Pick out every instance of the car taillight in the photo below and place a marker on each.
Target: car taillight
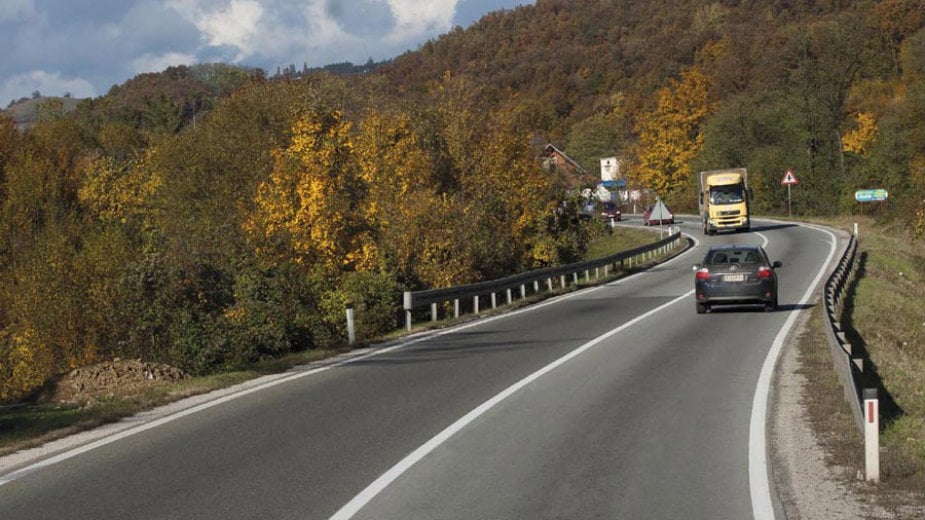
(764, 272)
(703, 274)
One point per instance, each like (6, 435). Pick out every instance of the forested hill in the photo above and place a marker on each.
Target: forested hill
(786, 84)
(208, 216)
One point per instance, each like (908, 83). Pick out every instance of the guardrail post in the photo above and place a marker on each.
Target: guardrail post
(523, 291)
(606, 269)
(871, 435)
(575, 278)
(509, 299)
(475, 304)
(562, 281)
(536, 286)
(351, 329)
(549, 283)
(494, 300)
(855, 229)
(433, 311)
(587, 276)
(456, 308)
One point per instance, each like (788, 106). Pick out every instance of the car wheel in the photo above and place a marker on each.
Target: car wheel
(701, 307)
(771, 305)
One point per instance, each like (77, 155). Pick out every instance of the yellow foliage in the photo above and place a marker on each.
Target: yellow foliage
(670, 135)
(392, 164)
(309, 200)
(24, 363)
(117, 191)
(861, 137)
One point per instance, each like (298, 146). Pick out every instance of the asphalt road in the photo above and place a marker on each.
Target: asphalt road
(613, 402)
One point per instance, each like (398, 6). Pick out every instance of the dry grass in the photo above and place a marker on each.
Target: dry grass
(885, 317)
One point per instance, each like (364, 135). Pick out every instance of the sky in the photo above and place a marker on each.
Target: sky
(84, 47)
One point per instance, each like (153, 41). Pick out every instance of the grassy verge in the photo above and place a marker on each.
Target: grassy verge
(616, 239)
(885, 315)
(29, 425)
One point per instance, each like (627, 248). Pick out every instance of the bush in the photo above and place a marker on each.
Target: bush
(376, 299)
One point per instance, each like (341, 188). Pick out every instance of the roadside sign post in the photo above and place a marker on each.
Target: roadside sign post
(789, 180)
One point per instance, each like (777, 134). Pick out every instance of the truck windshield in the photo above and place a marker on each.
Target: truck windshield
(726, 195)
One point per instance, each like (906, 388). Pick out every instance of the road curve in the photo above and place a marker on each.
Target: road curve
(613, 402)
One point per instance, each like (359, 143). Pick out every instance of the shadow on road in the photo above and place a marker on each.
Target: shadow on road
(759, 308)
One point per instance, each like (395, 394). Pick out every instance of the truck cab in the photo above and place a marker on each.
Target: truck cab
(724, 200)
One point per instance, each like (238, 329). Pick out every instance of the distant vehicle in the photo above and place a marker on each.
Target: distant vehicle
(735, 275)
(724, 197)
(610, 211)
(657, 214)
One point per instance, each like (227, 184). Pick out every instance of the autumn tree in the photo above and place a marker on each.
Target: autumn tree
(43, 329)
(670, 135)
(306, 209)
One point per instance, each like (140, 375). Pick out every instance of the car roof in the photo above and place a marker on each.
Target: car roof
(735, 247)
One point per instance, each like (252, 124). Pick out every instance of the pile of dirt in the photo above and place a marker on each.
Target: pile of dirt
(110, 379)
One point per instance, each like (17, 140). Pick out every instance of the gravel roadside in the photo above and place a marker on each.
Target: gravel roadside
(809, 487)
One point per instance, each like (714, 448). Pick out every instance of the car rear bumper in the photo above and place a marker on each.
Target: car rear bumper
(736, 293)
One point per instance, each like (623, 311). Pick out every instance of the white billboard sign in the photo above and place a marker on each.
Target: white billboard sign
(610, 169)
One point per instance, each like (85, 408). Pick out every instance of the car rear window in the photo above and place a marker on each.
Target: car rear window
(732, 257)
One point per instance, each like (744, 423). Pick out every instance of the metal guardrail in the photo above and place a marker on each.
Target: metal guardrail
(850, 368)
(533, 279)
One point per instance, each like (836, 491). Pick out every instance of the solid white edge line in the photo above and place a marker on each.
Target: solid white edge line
(74, 452)
(365, 496)
(759, 484)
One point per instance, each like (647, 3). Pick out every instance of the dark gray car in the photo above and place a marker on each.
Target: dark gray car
(735, 275)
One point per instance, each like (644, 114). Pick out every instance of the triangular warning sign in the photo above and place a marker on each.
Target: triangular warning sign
(790, 178)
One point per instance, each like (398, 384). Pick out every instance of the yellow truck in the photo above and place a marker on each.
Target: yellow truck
(724, 197)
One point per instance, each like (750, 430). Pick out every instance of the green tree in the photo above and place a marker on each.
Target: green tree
(599, 135)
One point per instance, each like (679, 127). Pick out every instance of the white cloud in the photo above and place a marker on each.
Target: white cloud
(236, 24)
(48, 84)
(319, 31)
(159, 62)
(16, 10)
(106, 41)
(421, 17)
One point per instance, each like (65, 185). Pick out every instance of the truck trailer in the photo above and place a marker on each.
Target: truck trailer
(724, 198)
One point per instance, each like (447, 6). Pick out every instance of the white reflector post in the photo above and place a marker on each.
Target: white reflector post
(871, 435)
(351, 328)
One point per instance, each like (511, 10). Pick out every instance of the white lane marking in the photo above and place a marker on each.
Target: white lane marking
(365, 496)
(759, 485)
(74, 452)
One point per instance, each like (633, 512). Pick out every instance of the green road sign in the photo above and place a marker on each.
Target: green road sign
(870, 195)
